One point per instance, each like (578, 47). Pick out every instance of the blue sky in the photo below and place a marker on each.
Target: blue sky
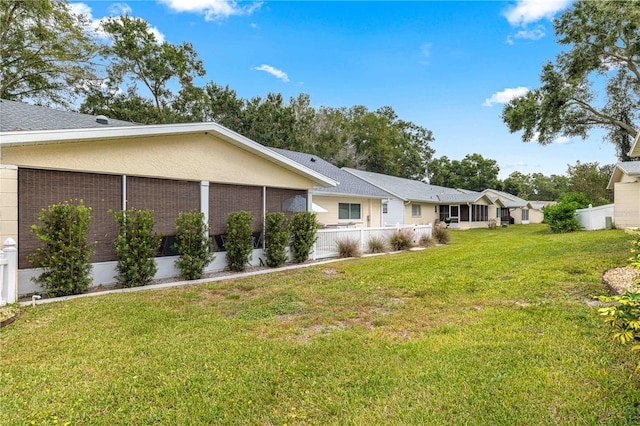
(448, 66)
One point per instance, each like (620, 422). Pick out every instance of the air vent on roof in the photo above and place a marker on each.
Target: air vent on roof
(313, 160)
(102, 119)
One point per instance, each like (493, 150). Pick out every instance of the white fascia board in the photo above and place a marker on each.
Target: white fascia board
(22, 138)
(346, 195)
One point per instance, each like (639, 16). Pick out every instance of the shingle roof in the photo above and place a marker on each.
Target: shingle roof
(413, 190)
(348, 184)
(629, 167)
(16, 116)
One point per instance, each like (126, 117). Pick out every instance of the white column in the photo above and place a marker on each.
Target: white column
(204, 201)
(9, 291)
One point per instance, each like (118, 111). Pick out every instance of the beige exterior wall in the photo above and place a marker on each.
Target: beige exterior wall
(428, 214)
(535, 216)
(8, 203)
(370, 207)
(193, 157)
(627, 204)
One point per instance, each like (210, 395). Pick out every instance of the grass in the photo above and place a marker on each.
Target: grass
(494, 328)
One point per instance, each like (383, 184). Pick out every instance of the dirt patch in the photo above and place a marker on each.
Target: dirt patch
(331, 272)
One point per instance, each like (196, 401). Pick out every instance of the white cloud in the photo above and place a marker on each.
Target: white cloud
(212, 9)
(562, 140)
(505, 96)
(528, 11)
(117, 9)
(273, 71)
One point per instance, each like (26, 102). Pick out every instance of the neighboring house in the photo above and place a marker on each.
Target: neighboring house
(625, 183)
(418, 203)
(352, 202)
(50, 156)
(516, 210)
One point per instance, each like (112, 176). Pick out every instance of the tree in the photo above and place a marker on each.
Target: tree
(604, 40)
(136, 57)
(473, 172)
(591, 180)
(45, 51)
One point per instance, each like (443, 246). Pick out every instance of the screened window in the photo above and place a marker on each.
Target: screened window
(348, 211)
(479, 213)
(525, 214)
(416, 210)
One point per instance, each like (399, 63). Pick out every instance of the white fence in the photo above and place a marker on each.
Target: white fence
(593, 218)
(327, 243)
(8, 272)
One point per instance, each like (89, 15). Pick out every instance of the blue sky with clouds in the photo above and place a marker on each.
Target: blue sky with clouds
(448, 66)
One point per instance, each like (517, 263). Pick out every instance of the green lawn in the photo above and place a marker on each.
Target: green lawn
(494, 328)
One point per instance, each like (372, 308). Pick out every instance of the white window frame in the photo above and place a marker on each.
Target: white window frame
(415, 207)
(350, 205)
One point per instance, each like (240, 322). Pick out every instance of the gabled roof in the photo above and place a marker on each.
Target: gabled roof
(18, 116)
(76, 132)
(413, 190)
(629, 168)
(508, 200)
(348, 184)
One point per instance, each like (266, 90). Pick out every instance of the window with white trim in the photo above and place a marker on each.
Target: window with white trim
(525, 214)
(416, 210)
(349, 211)
(385, 207)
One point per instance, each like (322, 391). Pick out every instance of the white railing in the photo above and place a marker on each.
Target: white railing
(327, 243)
(8, 272)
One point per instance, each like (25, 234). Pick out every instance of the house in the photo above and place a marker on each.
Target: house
(625, 183)
(418, 203)
(352, 202)
(516, 210)
(50, 156)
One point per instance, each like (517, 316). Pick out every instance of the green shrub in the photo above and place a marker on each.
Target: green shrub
(304, 232)
(634, 260)
(377, 245)
(66, 251)
(441, 235)
(349, 248)
(276, 238)
(195, 249)
(136, 247)
(402, 239)
(561, 217)
(624, 316)
(239, 242)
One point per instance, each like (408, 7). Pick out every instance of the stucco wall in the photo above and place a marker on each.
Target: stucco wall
(192, 157)
(627, 204)
(8, 203)
(369, 207)
(428, 214)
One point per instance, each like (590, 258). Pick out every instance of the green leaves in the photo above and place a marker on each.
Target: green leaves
(194, 247)
(304, 231)
(45, 51)
(64, 256)
(604, 41)
(136, 246)
(276, 239)
(239, 242)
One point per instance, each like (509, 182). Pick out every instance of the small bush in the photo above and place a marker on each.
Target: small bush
(304, 232)
(402, 239)
(441, 235)
(377, 245)
(136, 246)
(66, 251)
(195, 249)
(349, 248)
(276, 238)
(624, 317)
(561, 217)
(426, 241)
(239, 243)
